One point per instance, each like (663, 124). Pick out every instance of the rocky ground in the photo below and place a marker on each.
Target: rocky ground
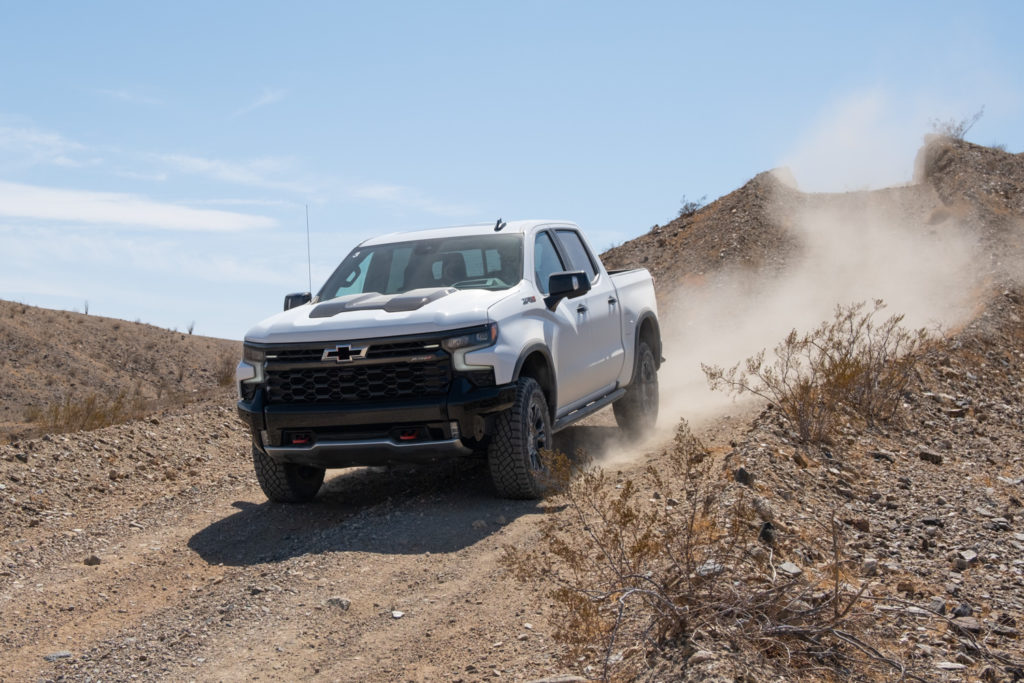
(146, 550)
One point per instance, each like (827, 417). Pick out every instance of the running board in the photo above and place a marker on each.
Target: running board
(587, 410)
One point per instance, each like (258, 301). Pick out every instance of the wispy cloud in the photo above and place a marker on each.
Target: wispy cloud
(111, 208)
(269, 96)
(33, 146)
(256, 172)
(126, 95)
(410, 198)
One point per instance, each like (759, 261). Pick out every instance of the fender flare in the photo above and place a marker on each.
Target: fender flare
(543, 350)
(645, 318)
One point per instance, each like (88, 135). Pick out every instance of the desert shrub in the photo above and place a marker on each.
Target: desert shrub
(689, 207)
(852, 361)
(956, 129)
(641, 578)
(225, 372)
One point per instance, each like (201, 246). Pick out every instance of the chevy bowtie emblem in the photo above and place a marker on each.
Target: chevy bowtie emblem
(345, 353)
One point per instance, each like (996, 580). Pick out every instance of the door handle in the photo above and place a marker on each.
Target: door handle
(581, 309)
(612, 301)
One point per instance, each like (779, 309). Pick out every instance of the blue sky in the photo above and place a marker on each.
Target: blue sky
(156, 158)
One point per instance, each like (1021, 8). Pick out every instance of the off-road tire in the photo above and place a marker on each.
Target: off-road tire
(637, 412)
(286, 482)
(520, 433)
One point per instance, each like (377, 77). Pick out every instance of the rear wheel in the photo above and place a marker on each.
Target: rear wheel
(637, 412)
(520, 434)
(286, 482)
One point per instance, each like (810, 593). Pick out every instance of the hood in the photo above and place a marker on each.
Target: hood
(365, 316)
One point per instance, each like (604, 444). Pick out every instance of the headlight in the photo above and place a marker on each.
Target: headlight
(253, 356)
(478, 339)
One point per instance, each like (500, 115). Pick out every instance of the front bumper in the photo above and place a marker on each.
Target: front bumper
(377, 432)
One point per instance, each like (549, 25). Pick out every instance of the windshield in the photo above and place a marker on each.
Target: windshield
(466, 262)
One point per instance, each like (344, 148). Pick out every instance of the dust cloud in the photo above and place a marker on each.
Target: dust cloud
(854, 247)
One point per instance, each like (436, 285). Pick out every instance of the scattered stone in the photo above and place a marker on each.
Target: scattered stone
(880, 454)
(933, 522)
(869, 567)
(968, 556)
(671, 502)
(767, 533)
(930, 456)
(790, 568)
(799, 460)
(937, 605)
(23, 457)
(709, 568)
(742, 476)
(905, 587)
(963, 610)
(968, 624)
(950, 666)
(339, 602)
(91, 561)
(860, 524)
(59, 654)
(396, 614)
(700, 656)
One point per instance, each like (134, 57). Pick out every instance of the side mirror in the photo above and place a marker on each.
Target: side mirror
(568, 285)
(293, 300)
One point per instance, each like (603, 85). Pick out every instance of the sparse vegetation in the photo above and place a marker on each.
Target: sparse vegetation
(634, 574)
(191, 326)
(91, 412)
(688, 208)
(956, 129)
(225, 374)
(851, 362)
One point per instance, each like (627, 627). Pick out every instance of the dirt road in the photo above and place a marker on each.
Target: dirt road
(389, 575)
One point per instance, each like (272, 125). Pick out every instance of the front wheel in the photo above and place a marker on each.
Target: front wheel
(286, 482)
(520, 434)
(637, 412)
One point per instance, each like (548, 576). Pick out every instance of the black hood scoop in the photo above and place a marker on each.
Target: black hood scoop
(394, 303)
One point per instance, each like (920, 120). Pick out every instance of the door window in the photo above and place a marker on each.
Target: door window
(545, 260)
(577, 252)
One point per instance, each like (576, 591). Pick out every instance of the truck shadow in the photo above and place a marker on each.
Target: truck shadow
(440, 508)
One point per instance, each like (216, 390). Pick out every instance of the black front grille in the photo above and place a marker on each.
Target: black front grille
(378, 350)
(355, 383)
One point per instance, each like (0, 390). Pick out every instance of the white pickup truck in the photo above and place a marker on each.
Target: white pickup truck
(479, 340)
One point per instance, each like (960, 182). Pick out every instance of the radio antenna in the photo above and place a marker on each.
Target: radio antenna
(309, 261)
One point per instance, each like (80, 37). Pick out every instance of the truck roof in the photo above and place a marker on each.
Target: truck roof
(522, 227)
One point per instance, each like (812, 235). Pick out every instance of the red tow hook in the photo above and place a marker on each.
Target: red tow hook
(408, 434)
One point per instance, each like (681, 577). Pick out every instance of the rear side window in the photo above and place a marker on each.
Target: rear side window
(545, 260)
(577, 252)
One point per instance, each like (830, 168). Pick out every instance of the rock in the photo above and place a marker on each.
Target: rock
(59, 654)
(91, 561)
(23, 457)
(905, 587)
(968, 556)
(557, 678)
(860, 524)
(880, 454)
(933, 521)
(340, 602)
(790, 568)
(963, 610)
(699, 657)
(937, 605)
(930, 456)
(967, 624)
(671, 502)
(999, 524)
(396, 614)
(799, 460)
(709, 568)
(767, 533)
(869, 567)
(950, 666)
(742, 476)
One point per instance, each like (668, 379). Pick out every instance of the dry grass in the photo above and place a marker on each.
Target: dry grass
(645, 569)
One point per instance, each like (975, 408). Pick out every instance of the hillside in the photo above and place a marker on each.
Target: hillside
(53, 358)
(894, 552)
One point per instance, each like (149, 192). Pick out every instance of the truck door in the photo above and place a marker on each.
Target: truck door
(598, 313)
